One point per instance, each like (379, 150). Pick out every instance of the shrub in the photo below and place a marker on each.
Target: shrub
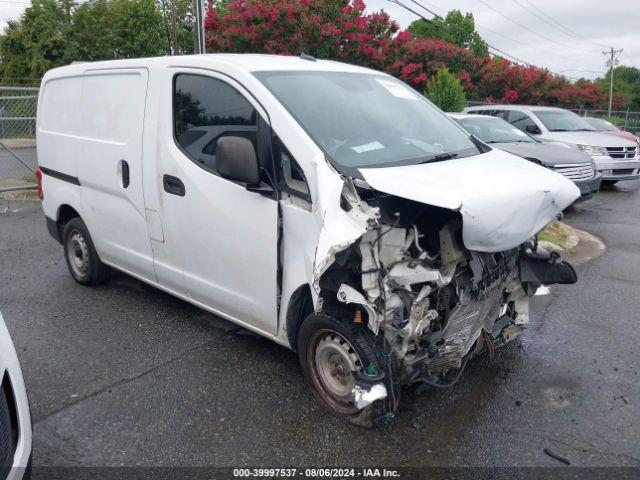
(332, 29)
(446, 91)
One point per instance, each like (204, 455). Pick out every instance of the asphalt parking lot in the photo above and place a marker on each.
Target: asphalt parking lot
(124, 374)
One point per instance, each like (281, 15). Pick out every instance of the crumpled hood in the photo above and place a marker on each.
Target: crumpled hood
(546, 153)
(503, 199)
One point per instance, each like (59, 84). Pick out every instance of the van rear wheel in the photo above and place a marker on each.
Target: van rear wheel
(330, 351)
(82, 259)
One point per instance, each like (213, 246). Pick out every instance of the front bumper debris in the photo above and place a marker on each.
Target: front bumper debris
(368, 389)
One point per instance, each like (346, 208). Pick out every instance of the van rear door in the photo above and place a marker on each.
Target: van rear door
(110, 167)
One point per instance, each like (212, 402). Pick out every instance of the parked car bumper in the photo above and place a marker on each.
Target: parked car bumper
(589, 186)
(14, 392)
(613, 169)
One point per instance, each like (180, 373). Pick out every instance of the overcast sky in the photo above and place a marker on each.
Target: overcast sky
(566, 36)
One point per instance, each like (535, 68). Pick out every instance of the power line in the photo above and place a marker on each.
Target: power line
(581, 70)
(526, 28)
(550, 52)
(528, 45)
(565, 28)
(560, 29)
(491, 47)
(442, 27)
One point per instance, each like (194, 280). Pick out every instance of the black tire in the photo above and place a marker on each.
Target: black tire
(367, 348)
(82, 259)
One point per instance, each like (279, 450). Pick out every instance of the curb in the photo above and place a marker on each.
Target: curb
(579, 246)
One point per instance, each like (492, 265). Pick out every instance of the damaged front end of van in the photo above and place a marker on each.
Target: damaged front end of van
(443, 268)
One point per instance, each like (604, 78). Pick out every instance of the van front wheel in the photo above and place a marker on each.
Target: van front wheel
(331, 350)
(81, 256)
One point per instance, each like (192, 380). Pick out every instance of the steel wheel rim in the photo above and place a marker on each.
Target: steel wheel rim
(332, 361)
(78, 254)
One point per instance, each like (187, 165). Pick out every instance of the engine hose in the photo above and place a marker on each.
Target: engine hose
(446, 385)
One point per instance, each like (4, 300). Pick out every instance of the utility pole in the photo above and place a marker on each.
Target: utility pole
(612, 62)
(199, 27)
(174, 34)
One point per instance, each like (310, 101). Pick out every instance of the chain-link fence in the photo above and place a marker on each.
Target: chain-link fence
(18, 159)
(18, 112)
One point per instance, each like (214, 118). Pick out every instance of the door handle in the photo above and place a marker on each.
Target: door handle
(173, 185)
(125, 173)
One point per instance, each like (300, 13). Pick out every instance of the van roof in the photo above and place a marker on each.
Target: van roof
(250, 62)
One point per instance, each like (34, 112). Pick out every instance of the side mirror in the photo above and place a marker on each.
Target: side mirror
(532, 129)
(236, 160)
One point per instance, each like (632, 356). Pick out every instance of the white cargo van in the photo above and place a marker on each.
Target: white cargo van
(328, 207)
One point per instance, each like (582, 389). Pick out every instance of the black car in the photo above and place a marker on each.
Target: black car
(573, 164)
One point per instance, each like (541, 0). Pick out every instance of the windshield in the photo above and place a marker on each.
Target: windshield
(493, 130)
(601, 125)
(562, 121)
(363, 120)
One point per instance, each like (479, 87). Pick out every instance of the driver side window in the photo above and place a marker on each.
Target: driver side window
(206, 109)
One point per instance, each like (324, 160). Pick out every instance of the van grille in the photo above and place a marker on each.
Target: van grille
(622, 152)
(579, 171)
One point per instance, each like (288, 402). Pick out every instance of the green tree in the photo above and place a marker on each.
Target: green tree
(455, 28)
(626, 85)
(51, 33)
(92, 33)
(445, 90)
(38, 41)
(137, 29)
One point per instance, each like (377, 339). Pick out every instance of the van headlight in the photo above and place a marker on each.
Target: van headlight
(591, 150)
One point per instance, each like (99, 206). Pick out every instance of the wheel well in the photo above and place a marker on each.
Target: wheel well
(300, 307)
(65, 214)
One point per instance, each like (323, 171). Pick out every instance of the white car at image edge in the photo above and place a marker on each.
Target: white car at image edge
(15, 418)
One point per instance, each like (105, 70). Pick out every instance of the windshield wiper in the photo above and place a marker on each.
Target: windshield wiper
(440, 157)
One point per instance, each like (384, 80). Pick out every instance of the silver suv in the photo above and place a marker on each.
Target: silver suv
(616, 158)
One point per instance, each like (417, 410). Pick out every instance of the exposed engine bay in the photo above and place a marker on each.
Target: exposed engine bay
(412, 281)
